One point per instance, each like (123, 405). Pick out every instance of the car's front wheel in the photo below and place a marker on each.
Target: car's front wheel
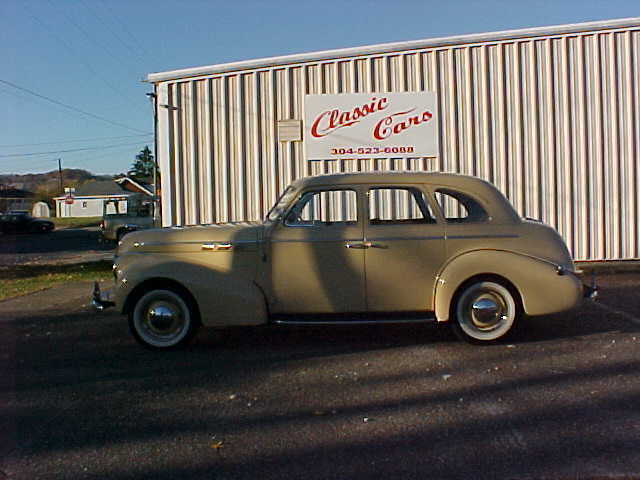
(163, 319)
(484, 311)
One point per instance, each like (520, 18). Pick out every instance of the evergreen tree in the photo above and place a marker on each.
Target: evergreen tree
(142, 168)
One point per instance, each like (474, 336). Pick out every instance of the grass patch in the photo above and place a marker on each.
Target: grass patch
(76, 222)
(22, 279)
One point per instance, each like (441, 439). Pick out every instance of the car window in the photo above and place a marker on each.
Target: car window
(280, 205)
(327, 207)
(458, 207)
(394, 206)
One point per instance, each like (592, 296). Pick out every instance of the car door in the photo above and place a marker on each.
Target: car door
(315, 254)
(14, 224)
(406, 248)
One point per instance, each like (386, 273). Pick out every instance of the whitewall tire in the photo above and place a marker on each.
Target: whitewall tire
(163, 319)
(484, 312)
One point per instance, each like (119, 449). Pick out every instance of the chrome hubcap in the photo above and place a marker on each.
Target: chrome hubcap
(486, 311)
(163, 319)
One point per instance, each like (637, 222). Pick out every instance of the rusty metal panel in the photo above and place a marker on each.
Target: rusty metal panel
(552, 118)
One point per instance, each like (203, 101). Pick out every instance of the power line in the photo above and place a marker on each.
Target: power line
(40, 163)
(77, 55)
(97, 117)
(70, 162)
(24, 97)
(31, 154)
(139, 55)
(81, 29)
(75, 141)
(114, 152)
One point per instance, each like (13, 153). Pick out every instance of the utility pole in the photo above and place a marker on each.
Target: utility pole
(154, 105)
(60, 174)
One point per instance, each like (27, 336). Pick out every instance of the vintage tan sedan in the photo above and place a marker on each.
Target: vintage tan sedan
(357, 248)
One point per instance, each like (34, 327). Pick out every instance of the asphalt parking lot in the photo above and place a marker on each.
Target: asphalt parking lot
(561, 400)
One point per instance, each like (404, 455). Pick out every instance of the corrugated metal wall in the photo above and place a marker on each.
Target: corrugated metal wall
(552, 121)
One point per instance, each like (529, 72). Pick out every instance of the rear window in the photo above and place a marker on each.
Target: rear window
(458, 207)
(398, 206)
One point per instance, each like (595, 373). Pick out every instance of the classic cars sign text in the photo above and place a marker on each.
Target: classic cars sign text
(369, 125)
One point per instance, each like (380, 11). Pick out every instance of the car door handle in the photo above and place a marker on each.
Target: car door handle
(358, 245)
(377, 245)
(217, 247)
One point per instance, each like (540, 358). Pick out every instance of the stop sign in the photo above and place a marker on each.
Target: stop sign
(68, 199)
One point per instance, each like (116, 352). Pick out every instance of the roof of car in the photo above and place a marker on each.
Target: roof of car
(485, 191)
(390, 177)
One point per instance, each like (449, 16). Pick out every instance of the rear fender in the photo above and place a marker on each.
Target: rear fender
(541, 290)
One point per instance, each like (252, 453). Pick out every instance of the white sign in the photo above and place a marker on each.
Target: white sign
(370, 125)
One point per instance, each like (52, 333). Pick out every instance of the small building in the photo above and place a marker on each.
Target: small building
(13, 199)
(89, 200)
(41, 210)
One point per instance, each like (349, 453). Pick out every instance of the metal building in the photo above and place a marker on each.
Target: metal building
(550, 115)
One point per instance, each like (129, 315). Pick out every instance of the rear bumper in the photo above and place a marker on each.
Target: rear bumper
(101, 300)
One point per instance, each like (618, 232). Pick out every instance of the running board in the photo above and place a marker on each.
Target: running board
(354, 322)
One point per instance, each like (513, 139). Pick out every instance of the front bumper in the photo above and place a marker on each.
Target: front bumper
(101, 300)
(590, 292)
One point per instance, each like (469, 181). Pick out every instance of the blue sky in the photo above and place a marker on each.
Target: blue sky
(92, 55)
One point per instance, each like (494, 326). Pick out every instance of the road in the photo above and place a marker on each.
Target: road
(71, 245)
(81, 400)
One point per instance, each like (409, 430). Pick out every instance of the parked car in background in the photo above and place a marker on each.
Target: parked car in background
(116, 224)
(22, 222)
(351, 248)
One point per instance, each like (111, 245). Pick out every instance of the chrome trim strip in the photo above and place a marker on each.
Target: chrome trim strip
(391, 239)
(354, 322)
(217, 247)
(306, 240)
(458, 237)
(197, 242)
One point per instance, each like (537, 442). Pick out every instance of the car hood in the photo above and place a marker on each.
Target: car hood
(172, 239)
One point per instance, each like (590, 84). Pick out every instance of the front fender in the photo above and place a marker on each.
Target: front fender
(223, 298)
(541, 289)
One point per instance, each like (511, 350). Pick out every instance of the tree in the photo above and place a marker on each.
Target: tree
(142, 168)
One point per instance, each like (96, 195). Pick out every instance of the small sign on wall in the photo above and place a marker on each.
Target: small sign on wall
(369, 125)
(289, 130)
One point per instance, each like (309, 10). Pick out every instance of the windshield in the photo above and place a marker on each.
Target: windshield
(127, 207)
(281, 204)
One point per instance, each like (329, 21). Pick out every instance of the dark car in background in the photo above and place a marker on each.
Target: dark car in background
(24, 223)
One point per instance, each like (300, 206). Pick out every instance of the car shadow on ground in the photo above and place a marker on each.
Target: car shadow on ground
(83, 385)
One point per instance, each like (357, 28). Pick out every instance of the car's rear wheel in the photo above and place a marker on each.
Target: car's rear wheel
(163, 319)
(484, 312)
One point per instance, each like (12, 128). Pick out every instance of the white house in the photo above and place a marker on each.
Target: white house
(90, 198)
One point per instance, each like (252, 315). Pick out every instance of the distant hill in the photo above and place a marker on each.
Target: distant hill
(71, 177)
(47, 185)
